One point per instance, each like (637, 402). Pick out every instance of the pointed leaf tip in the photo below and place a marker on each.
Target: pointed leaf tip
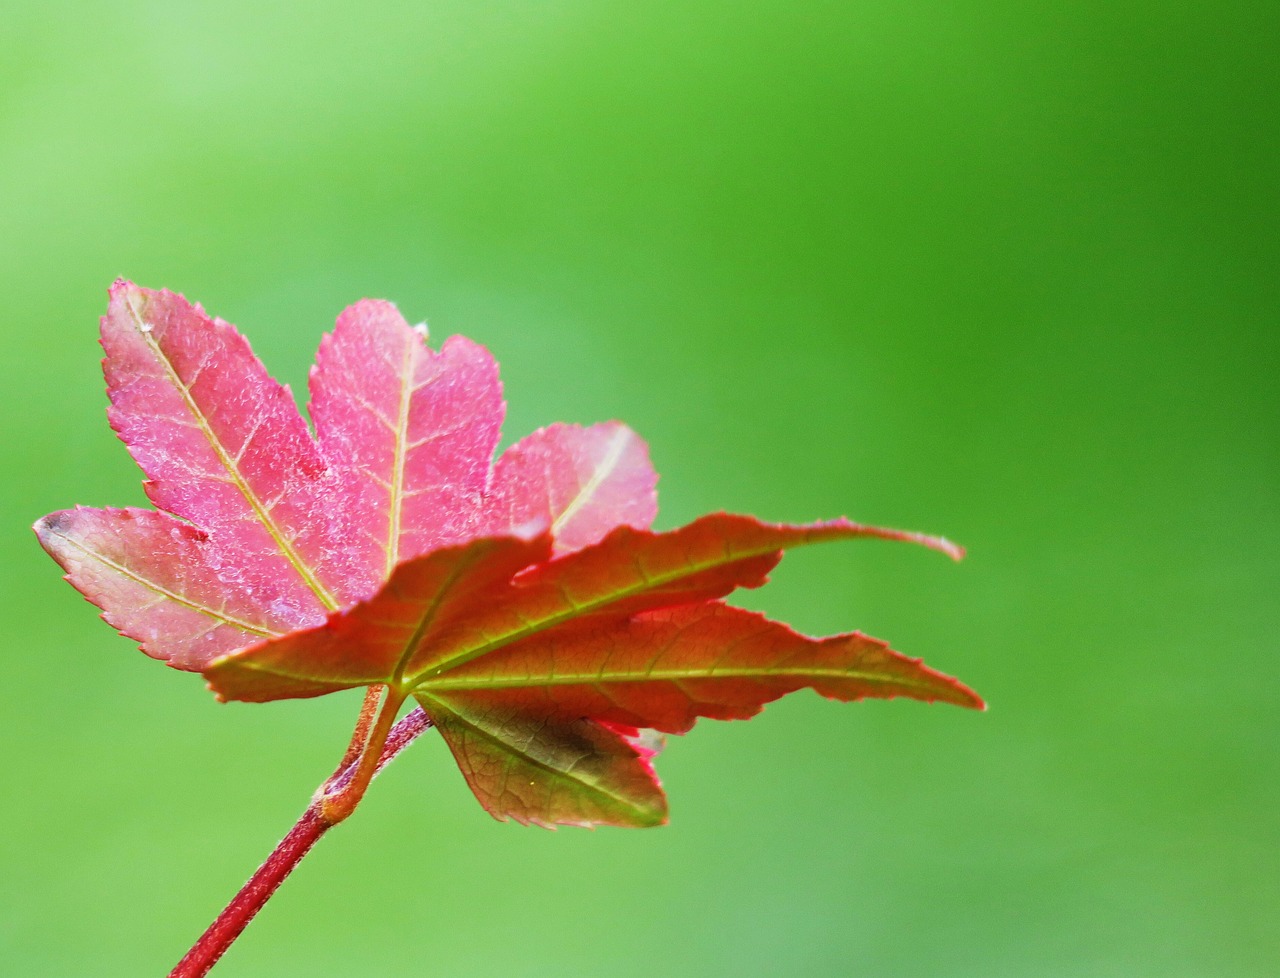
(941, 544)
(120, 286)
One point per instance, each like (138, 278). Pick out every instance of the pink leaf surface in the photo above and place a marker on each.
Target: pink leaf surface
(222, 444)
(412, 430)
(583, 482)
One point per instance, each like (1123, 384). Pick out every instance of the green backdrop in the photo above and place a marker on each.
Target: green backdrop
(998, 270)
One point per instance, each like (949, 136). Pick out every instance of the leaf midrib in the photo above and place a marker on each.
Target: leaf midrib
(666, 675)
(260, 512)
(165, 592)
(610, 462)
(396, 491)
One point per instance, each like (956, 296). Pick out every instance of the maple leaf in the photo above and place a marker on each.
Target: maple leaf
(525, 604)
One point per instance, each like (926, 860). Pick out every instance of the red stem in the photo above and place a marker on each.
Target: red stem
(339, 796)
(229, 924)
(233, 920)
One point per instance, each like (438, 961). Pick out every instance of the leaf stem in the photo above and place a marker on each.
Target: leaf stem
(229, 924)
(339, 797)
(368, 709)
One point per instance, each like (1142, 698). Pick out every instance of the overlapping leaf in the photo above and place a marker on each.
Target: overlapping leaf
(525, 605)
(522, 670)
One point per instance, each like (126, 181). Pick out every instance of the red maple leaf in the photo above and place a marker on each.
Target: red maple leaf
(526, 605)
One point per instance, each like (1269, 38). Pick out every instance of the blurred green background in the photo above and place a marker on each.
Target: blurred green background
(1002, 271)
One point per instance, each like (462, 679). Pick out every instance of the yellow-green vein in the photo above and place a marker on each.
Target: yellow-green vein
(610, 462)
(164, 592)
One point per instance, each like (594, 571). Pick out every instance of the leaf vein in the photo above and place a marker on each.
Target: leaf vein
(162, 593)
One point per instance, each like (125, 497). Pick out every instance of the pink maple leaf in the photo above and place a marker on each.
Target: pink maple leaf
(526, 605)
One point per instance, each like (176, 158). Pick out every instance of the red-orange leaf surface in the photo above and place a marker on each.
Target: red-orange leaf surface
(525, 604)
